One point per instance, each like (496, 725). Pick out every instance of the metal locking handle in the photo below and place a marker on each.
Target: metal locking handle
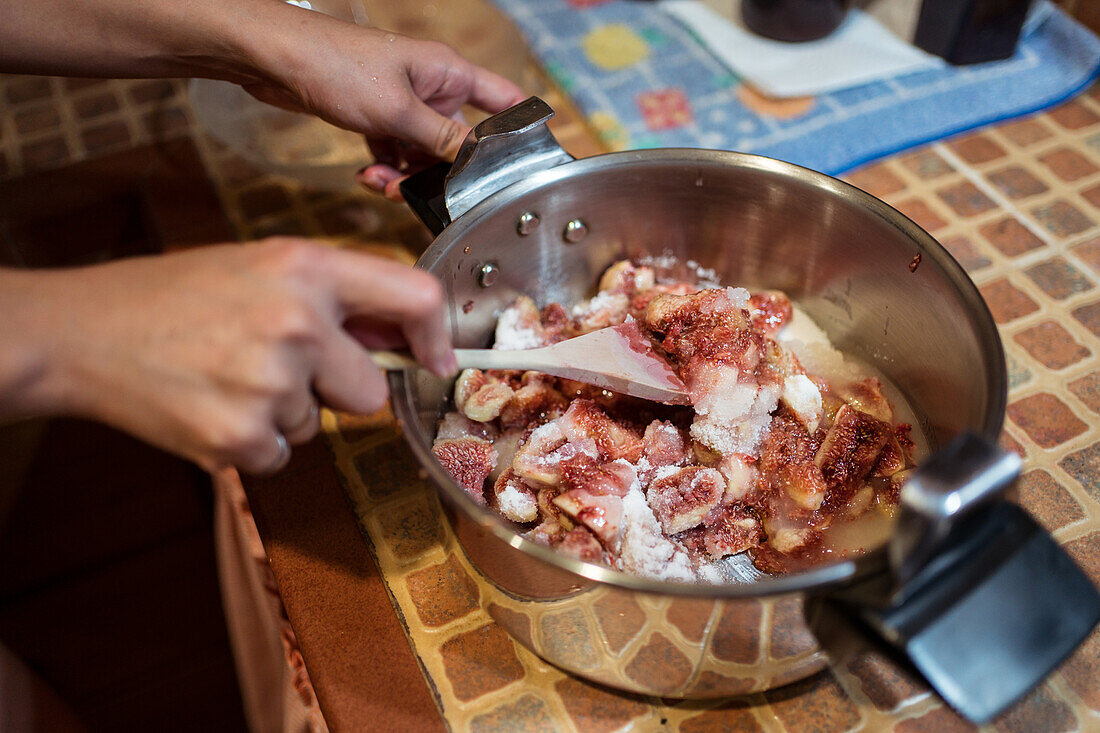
(964, 477)
(503, 149)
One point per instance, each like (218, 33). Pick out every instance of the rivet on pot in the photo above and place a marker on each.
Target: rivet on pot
(575, 231)
(528, 222)
(488, 274)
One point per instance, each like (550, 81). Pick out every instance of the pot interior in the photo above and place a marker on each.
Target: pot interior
(881, 288)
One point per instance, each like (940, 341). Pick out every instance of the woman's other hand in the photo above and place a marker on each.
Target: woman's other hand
(215, 353)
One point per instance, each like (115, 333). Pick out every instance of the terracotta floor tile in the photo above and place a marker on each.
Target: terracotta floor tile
(1005, 301)
(592, 709)
(1089, 316)
(28, 89)
(977, 148)
(74, 84)
(166, 121)
(480, 661)
(923, 214)
(1010, 237)
(1051, 345)
(565, 637)
(1085, 551)
(1062, 219)
(1010, 444)
(660, 666)
(1047, 500)
(44, 153)
(885, 683)
(1084, 465)
(153, 91)
(940, 720)
(91, 106)
(965, 199)
(1025, 132)
(926, 164)
(287, 225)
(1082, 671)
(410, 528)
(1017, 182)
(877, 180)
(1089, 252)
(527, 713)
(1046, 419)
(1018, 374)
(1092, 195)
(264, 200)
(729, 717)
(620, 618)
(1068, 164)
(1058, 278)
(388, 469)
(818, 703)
(963, 250)
(1087, 389)
(442, 593)
(1073, 115)
(103, 137)
(38, 118)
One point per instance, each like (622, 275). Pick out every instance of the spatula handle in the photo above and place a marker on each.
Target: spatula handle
(466, 358)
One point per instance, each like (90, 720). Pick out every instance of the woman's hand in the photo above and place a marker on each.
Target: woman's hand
(403, 94)
(215, 353)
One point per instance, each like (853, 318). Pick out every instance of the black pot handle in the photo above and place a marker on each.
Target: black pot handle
(972, 591)
(506, 148)
(425, 194)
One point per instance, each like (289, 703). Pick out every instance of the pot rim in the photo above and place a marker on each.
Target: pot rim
(819, 578)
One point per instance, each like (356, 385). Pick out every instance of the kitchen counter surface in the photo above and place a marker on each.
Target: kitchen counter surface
(384, 611)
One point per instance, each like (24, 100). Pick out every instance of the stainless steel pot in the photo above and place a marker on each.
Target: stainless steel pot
(528, 219)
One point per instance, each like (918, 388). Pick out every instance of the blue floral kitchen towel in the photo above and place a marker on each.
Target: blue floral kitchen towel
(643, 80)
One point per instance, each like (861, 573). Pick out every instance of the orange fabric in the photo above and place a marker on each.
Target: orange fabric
(275, 688)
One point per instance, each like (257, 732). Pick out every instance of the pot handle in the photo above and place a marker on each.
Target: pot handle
(974, 593)
(501, 150)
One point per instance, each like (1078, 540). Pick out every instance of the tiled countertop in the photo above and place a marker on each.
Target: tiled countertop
(1017, 204)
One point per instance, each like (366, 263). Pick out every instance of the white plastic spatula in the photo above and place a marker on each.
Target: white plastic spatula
(620, 359)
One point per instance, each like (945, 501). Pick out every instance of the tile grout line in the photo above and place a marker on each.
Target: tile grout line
(1000, 199)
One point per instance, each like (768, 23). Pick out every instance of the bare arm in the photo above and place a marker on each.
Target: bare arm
(387, 86)
(213, 353)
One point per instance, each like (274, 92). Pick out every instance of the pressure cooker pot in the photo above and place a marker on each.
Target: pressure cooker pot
(979, 598)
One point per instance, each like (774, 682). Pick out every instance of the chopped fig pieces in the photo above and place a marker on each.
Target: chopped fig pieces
(734, 530)
(681, 501)
(469, 460)
(851, 447)
(771, 460)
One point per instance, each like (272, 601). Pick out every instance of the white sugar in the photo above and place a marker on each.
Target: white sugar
(644, 549)
(516, 505)
(513, 334)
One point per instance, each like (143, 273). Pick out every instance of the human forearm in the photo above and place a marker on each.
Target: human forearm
(136, 38)
(28, 381)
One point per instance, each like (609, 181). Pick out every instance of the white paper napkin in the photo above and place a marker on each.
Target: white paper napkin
(861, 50)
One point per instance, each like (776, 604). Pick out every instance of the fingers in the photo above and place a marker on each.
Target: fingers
(299, 418)
(493, 93)
(346, 377)
(433, 133)
(394, 293)
(383, 179)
